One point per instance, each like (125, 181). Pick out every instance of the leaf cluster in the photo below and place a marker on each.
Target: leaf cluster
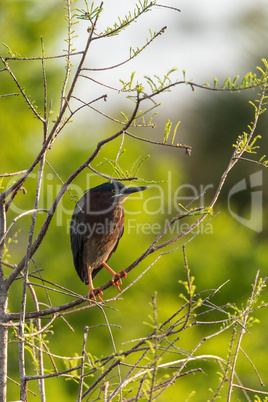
(140, 8)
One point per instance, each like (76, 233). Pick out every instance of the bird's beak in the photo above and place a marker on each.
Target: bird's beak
(129, 190)
(126, 191)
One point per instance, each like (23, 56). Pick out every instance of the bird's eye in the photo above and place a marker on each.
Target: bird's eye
(114, 191)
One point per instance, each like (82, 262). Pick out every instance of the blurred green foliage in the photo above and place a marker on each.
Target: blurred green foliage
(224, 251)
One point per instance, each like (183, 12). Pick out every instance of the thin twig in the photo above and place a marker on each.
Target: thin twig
(256, 391)
(33, 109)
(253, 365)
(187, 148)
(60, 56)
(81, 379)
(68, 58)
(3, 96)
(22, 367)
(13, 174)
(30, 211)
(41, 382)
(254, 293)
(131, 57)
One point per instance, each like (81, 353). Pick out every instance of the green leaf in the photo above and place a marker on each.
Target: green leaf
(174, 132)
(167, 131)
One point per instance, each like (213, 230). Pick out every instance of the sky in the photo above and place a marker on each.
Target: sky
(208, 39)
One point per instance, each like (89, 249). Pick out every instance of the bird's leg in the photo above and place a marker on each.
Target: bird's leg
(91, 293)
(116, 277)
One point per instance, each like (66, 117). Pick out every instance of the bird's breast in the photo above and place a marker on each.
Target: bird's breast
(101, 235)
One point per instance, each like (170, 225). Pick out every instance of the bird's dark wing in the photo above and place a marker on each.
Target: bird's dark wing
(77, 244)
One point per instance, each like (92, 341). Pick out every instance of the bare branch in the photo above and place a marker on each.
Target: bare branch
(13, 174)
(187, 148)
(69, 52)
(15, 94)
(80, 389)
(22, 90)
(162, 30)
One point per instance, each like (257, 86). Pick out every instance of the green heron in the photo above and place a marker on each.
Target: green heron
(96, 227)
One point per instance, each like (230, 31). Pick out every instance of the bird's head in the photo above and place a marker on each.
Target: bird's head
(116, 192)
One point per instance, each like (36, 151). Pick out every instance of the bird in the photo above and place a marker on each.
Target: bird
(96, 227)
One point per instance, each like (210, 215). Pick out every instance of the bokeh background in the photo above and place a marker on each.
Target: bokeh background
(208, 40)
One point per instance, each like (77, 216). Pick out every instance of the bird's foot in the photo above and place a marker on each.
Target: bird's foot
(116, 279)
(91, 294)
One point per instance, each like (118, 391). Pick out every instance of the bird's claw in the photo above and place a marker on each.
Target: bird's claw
(91, 294)
(116, 279)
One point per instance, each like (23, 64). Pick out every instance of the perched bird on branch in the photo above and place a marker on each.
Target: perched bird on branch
(96, 227)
